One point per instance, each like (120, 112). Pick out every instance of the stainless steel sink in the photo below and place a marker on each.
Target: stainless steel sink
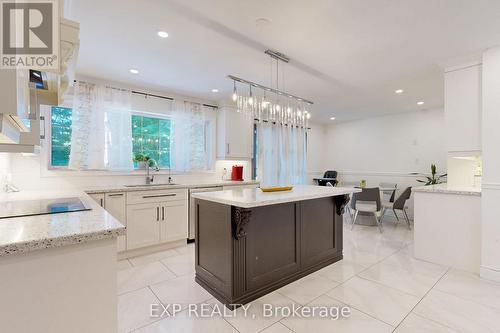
(151, 185)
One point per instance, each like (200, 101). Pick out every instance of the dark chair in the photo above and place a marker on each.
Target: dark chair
(368, 201)
(329, 176)
(400, 204)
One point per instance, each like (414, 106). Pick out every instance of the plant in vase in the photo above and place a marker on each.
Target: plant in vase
(434, 178)
(143, 160)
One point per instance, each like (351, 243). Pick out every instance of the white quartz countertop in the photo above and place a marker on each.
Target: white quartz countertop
(449, 189)
(31, 233)
(254, 197)
(124, 188)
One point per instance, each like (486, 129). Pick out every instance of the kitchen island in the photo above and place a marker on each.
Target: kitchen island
(250, 243)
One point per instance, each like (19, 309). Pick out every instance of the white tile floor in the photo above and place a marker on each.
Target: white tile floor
(386, 288)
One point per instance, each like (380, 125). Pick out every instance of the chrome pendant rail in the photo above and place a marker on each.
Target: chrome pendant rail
(276, 91)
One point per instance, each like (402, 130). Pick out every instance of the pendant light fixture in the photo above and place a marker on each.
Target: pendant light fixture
(286, 109)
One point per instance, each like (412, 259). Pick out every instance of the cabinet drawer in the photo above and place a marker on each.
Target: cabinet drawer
(156, 196)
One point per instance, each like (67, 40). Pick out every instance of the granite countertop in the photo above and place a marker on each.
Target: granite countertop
(449, 189)
(31, 233)
(123, 188)
(254, 197)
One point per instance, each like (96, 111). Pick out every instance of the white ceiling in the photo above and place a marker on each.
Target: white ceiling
(348, 56)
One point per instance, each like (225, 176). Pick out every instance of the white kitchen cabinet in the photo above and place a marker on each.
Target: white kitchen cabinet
(155, 217)
(143, 225)
(116, 205)
(234, 134)
(173, 224)
(99, 198)
(462, 105)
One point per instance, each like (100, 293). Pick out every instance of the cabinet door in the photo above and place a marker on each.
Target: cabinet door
(174, 221)
(143, 225)
(116, 205)
(234, 134)
(99, 198)
(238, 135)
(462, 106)
(321, 231)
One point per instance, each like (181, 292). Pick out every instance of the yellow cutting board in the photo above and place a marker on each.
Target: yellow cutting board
(276, 188)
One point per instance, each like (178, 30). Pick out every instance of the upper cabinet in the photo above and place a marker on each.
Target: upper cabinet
(462, 105)
(234, 134)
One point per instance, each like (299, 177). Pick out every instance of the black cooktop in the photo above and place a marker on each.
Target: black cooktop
(10, 209)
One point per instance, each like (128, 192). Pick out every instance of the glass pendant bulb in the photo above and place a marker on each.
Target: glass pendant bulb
(235, 93)
(250, 98)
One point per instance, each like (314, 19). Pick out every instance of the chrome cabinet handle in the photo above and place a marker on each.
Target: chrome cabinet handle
(157, 213)
(228, 148)
(102, 202)
(163, 213)
(159, 195)
(116, 195)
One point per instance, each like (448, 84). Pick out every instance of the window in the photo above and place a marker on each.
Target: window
(151, 136)
(61, 136)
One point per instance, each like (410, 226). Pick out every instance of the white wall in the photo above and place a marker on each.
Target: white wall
(386, 149)
(4, 169)
(388, 146)
(315, 151)
(490, 196)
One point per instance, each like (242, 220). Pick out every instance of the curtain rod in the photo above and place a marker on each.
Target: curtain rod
(150, 95)
(274, 123)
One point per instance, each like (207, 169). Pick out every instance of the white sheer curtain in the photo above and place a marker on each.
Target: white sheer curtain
(281, 154)
(101, 137)
(190, 147)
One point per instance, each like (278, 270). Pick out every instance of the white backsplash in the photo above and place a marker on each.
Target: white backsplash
(28, 174)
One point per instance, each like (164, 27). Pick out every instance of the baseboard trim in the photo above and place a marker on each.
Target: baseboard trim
(490, 186)
(489, 273)
(377, 173)
(150, 249)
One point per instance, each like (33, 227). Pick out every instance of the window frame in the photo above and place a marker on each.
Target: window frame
(47, 170)
(158, 116)
(47, 118)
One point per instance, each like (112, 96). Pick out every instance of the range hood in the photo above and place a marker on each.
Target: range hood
(19, 112)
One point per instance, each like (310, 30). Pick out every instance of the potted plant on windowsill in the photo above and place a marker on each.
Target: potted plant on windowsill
(142, 160)
(434, 178)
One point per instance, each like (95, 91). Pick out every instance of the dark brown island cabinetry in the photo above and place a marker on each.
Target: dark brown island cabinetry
(245, 253)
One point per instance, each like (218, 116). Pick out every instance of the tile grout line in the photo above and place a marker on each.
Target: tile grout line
(351, 306)
(421, 299)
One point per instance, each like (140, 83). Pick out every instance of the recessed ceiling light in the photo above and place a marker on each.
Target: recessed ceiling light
(420, 103)
(399, 91)
(215, 90)
(163, 34)
(332, 118)
(133, 71)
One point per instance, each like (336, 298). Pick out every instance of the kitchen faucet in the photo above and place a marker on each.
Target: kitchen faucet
(150, 178)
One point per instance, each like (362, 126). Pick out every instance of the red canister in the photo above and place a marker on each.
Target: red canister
(237, 173)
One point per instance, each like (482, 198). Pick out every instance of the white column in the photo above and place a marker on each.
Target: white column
(490, 211)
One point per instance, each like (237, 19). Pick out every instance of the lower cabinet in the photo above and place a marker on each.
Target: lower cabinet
(173, 225)
(154, 223)
(116, 205)
(151, 217)
(143, 225)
